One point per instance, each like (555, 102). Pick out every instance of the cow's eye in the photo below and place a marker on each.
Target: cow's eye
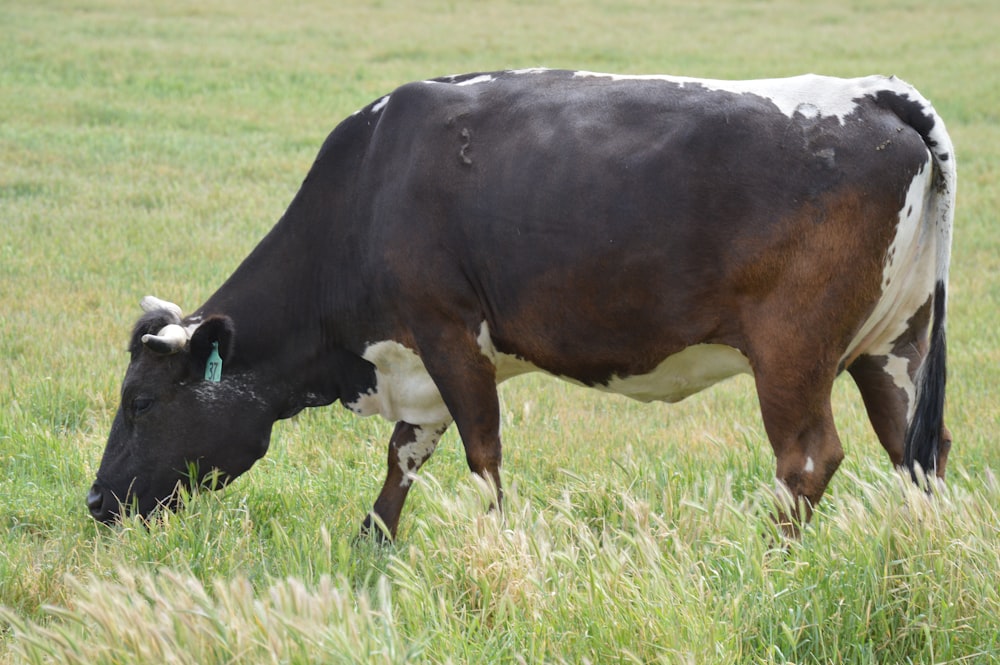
(141, 404)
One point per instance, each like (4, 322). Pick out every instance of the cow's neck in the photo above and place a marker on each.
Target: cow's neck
(282, 304)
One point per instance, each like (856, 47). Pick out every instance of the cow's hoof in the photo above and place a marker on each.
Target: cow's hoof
(374, 531)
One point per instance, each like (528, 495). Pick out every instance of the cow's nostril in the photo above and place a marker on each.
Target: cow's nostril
(95, 501)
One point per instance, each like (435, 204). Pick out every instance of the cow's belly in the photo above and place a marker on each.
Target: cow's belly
(405, 391)
(676, 377)
(682, 374)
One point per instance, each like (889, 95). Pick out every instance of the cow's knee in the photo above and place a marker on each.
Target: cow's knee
(806, 472)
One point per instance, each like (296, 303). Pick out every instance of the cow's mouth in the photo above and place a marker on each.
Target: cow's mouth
(108, 508)
(104, 505)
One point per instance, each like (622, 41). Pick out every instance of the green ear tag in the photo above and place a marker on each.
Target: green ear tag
(213, 370)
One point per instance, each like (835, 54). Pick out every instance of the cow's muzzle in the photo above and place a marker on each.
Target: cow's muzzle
(104, 505)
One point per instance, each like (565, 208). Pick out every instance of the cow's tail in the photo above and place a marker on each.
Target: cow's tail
(922, 448)
(922, 445)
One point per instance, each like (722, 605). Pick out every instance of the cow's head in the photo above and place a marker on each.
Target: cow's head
(176, 423)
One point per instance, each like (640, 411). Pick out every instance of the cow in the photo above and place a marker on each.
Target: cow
(642, 235)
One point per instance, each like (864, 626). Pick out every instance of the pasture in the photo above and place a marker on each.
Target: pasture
(146, 149)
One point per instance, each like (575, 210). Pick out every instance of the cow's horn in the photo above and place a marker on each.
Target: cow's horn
(171, 339)
(152, 303)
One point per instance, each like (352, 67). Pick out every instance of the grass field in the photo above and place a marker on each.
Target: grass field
(146, 150)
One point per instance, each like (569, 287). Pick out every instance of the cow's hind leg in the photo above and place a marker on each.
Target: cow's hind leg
(409, 447)
(887, 386)
(799, 423)
(887, 390)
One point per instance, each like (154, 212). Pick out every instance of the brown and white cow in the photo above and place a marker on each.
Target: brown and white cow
(643, 235)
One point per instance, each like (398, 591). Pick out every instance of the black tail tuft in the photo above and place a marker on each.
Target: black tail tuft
(923, 436)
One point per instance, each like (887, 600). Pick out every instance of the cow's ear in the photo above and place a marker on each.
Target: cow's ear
(214, 329)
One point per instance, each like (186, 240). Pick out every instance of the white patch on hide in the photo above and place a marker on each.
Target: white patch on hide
(810, 95)
(676, 377)
(403, 388)
(898, 369)
(682, 374)
(507, 366)
(908, 275)
(485, 78)
(412, 455)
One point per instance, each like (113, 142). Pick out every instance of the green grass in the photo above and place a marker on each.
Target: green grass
(147, 149)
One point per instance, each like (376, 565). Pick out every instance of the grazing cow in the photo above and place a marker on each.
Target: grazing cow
(642, 235)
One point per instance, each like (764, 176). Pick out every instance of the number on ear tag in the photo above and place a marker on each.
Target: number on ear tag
(213, 370)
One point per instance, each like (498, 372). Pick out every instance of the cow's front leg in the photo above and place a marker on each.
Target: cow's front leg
(409, 447)
(466, 379)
